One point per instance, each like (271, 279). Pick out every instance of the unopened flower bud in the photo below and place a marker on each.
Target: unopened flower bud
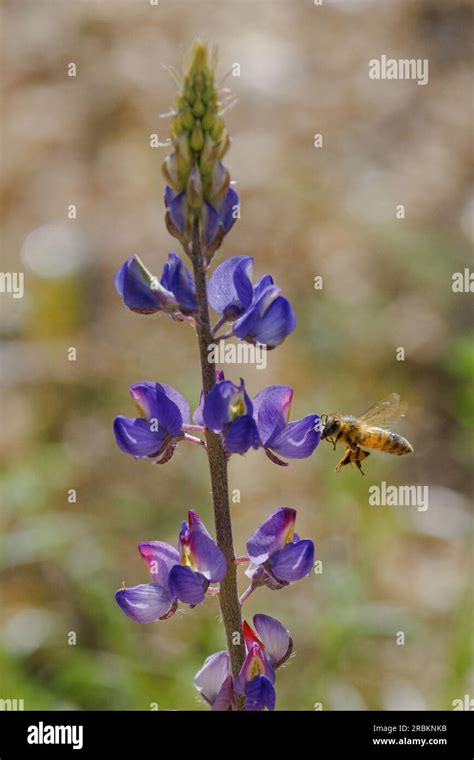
(223, 146)
(220, 182)
(194, 189)
(170, 171)
(208, 156)
(197, 138)
(187, 119)
(199, 108)
(176, 127)
(217, 130)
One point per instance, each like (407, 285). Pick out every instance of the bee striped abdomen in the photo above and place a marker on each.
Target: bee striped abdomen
(384, 440)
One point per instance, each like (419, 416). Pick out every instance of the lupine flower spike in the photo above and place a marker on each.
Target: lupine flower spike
(201, 207)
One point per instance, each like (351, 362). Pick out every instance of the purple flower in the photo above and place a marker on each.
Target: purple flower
(145, 294)
(257, 676)
(265, 653)
(219, 218)
(218, 215)
(202, 562)
(230, 289)
(177, 279)
(182, 575)
(277, 555)
(214, 681)
(154, 434)
(260, 314)
(294, 440)
(153, 601)
(176, 217)
(227, 409)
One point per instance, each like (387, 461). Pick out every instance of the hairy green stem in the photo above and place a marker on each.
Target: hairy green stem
(228, 596)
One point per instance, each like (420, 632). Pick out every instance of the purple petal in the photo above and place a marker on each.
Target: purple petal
(120, 276)
(188, 586)
(134, 437)
(163, 405)
(255, 663)
(298, 439)
(210, 221)
(170, 195)
(269, 320)
(260, 693)
(177, 279)
(146, 603)
(159, 557)
(241, 435)
(177, 208)
(275, 324)
(195, 523)
(209, 559)
(198, 419)
(293, 562)
(246, 323)
(225, 700)
(271, 535)
(138, 288)
(177, 398)
(275, 637)
(226, 209)
(224, 402)
(262, 284)
(230, 288)
(271, 410)
(211, 677)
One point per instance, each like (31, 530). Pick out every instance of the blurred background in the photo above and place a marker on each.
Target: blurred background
(306, 212)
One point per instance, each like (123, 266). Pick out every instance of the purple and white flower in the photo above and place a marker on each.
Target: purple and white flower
(218, 214)
(266, 650)
(227, 409)
(155, 434)
(177, 575)
(260, 314)
(173, 294)
(293, 440)
(277, 554)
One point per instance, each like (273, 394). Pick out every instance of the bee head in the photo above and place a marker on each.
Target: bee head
(331, 425)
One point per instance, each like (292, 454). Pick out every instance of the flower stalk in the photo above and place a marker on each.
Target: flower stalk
(228, 597)
(201, 209)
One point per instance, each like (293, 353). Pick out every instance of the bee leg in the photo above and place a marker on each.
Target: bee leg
(359, 456)
(345, 459)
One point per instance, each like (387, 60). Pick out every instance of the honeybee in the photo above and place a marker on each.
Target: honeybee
(370, 429)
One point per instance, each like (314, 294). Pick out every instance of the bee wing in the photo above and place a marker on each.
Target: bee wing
(385, 413)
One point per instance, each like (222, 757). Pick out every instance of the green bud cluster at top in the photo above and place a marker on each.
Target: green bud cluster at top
(198, 135)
